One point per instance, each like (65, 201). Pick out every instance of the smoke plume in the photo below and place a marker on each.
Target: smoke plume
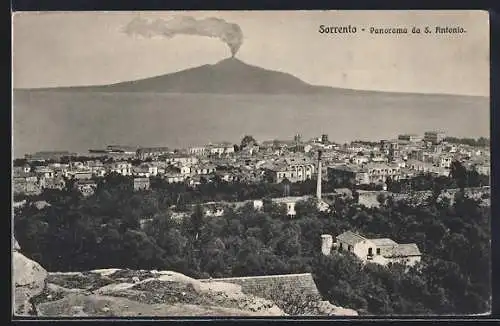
(228, 33)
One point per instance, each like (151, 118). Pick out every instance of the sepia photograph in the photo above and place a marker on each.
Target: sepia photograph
(250, 164)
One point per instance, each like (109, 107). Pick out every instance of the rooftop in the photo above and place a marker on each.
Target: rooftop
(346, 168)
(403, 250)
(350, 237)
(289, 199)
(383, 242)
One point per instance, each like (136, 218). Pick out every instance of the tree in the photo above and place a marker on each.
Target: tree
(247, 141)
(292, 300)
(459, 173)
(194, 222)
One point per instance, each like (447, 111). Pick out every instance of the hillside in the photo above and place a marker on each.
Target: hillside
(135, 293)
(229, 76)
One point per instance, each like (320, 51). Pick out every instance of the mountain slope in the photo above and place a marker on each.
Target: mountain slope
(229, 76)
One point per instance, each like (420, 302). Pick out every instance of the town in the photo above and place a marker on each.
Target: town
(387, 203)
(366, 166)
(361, 164)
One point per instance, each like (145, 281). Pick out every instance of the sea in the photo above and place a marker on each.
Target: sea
(79, 121)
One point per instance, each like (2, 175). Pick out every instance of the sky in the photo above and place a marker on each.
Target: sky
(52, 49)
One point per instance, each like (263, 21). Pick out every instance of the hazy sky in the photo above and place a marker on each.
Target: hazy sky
(87, 48)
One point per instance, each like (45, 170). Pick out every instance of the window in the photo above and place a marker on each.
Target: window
(340, 246)
(370, 251)
(378, 251)
(349, 248)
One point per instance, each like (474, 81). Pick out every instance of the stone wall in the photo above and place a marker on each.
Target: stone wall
(262, 285)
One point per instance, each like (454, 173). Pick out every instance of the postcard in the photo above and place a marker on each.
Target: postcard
(251, 163)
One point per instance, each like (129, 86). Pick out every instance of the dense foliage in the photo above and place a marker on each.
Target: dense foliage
(480, 142)
(105, 230)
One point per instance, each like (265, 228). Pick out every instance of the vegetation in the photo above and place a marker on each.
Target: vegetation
(480, 142)
(117, 227)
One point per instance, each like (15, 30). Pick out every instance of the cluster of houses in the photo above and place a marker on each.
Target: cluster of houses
(402, 158)
(356, 163)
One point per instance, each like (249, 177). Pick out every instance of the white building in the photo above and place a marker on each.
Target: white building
(185, 169)
(445, 161)
(182, 159)
(123, 168)
(380, 251)
(44, 172)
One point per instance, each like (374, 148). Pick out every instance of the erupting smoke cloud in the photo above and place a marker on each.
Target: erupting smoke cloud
(229, 33)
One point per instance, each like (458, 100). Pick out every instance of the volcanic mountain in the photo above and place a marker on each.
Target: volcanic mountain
(229, 76)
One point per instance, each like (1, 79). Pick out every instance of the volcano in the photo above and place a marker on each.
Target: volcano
(229, 76)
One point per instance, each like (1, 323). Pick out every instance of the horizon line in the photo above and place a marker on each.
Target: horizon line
(54, 88)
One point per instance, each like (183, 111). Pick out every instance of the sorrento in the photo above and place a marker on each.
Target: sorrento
(337, 29)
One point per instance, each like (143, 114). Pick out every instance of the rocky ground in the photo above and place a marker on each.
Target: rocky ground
(120, 293)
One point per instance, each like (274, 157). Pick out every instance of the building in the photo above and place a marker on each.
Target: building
(394, 153)
(347, 176)
(20, 170)
(98, 171)
(434, 137)
(483, 169)
(123, 168)
(151, 152)
(145, 170)
(445, 161)
(324, 139)
(379, 172)
(198, 150)
(26, 183)
(86, 187)
(80, 175)
(360, 159)
(381, 251)
(44, 172)
(141, 184)
(181, 159)
(203, 169)
(425, 167)
(54, 183)
(221, 149)
(174, 178)
(385, 145)
(412, 138)
(294, 172)
(289, 203)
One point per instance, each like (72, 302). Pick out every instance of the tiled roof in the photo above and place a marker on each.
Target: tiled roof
(346, 168)
(403, 250)
(264, 285)
(383, 242)
(350, 237)
(22, 174)
(289, 199)
(85, 182)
